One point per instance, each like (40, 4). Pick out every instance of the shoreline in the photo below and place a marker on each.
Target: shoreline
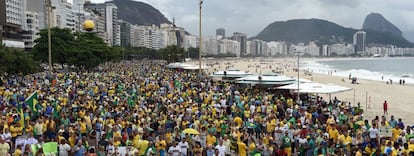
(325, 69)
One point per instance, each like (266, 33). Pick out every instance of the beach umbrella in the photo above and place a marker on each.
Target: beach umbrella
(191, 131)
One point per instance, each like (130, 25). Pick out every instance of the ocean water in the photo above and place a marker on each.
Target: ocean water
(366, 68)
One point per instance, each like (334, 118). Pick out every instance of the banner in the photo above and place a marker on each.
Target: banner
(385, 131)
(50, 147)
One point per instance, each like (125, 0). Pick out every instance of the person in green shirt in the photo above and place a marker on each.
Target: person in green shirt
(311, 145)
(342, 118)
(287, 144)
(320, 149)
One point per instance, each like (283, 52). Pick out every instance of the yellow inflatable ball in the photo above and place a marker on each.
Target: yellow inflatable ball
(88, 25)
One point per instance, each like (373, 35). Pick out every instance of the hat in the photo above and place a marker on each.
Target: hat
(308, 137)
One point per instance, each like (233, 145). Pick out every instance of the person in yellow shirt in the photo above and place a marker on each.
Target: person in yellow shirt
(369, 149)
(117, 137)
(15, 130)
(396, 133)
(333, 133)
(347, 141)
(252, 145)
(72, 140)
(161, 145)
(142, 147)
(29, 128)
(242, 148)
(211, 139)
(18, 151)
(405, 149)
(83, 128)
(271, 125)
(359, 152)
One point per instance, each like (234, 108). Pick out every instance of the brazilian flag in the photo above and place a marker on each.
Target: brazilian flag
(32, 102)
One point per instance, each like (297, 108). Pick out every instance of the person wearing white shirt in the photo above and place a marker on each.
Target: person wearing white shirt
(373, 134)
(184, 147)
(6, 135)
(227, 144)
(174, 150)
(64, 148)
(252, 108)
(221, 148)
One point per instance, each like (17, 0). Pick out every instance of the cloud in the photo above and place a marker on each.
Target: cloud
(346, 3)
(251, 16)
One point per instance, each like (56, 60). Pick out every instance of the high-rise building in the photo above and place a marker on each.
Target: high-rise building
(110, 12)
(39, 7)
(242, 39)
(14, 16)
(359, 41)
(62, 15)
(168, 34)
(277, 48)
(210, 46)
(227, 46)
(125, 34)
(220, 33)
(30, 34)
(190, 41)
(2, 18)
(146, 36)
(312, 49)
(258, 48)
(16, 12)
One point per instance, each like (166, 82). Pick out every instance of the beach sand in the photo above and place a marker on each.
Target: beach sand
(370, 94)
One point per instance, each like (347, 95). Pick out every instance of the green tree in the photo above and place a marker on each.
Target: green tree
(193, 52)
(88, 51)
(16, 61)
(172, 53)
(62, 41)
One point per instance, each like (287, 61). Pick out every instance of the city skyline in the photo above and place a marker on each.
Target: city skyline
(252, 16)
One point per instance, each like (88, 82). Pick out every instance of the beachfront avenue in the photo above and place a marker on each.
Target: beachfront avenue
(143, 107)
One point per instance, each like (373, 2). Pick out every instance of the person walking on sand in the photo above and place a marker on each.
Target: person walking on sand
(385, 107)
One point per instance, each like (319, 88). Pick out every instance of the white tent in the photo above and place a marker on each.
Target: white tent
(179, 65)
(266, 79)
(316, 88)
(234, 73)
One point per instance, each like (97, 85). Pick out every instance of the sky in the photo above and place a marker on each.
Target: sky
(251, 16)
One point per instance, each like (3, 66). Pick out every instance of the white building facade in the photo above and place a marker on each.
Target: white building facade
(30, 34)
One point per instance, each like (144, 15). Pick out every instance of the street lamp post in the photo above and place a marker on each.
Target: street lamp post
(298, 96)
(201, 40)
(298, 79)
(49, 36)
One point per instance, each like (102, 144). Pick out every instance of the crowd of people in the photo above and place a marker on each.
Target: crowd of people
(142, 108)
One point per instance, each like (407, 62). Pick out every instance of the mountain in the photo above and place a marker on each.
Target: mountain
(376, 21)
(324, 32)
(139, 13)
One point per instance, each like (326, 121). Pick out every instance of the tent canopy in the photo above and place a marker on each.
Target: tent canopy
(316, 88)
(271, 79)
(179, 65)
(231, 73)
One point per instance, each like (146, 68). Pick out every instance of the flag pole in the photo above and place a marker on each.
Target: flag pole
(30, 96)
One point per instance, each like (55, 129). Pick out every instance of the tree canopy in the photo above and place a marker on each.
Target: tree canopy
(83, 49)
(15, 61)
